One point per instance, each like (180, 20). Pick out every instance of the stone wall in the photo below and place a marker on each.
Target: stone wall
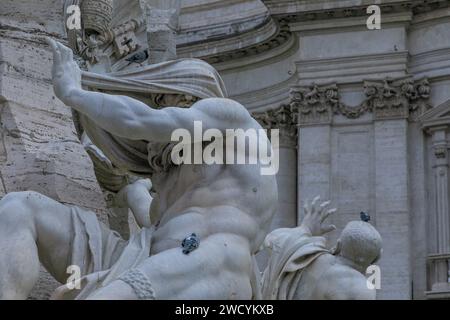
(40, 149)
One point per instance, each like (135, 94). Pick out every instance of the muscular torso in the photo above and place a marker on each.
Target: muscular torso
(211, 200)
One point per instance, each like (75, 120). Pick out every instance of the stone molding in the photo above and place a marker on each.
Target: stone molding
(281, 37)
(293, 10)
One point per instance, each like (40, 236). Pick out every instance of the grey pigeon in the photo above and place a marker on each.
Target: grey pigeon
(138, 57)
(364, 216)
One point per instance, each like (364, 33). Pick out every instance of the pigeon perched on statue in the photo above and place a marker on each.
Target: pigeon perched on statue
(364, 216)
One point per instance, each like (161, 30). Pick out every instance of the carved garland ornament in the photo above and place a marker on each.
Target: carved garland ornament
(401, 98)
(386, 99)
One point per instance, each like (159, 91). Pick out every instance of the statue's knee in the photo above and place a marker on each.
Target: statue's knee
(19, 197)
(18, 205)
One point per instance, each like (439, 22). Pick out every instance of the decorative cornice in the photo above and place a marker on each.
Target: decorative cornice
(386, 99)
(278, 39)
(293, 10)
(229, 31)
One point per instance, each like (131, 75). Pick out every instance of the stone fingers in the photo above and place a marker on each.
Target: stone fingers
(66, 53)
(55, 49)
(313, 205)
(306, 207)
(328, 229)
(327, 214)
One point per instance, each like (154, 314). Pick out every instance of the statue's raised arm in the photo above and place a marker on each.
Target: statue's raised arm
(132, 119)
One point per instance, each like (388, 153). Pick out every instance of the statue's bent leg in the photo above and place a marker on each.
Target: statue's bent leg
(32, 228)
(219, 269)
(35, 228)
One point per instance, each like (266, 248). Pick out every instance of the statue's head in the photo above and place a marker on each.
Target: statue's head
(163, 100)
(360, 243)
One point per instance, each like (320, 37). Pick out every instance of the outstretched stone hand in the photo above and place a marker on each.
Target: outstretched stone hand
(315, 216)
(65, 72)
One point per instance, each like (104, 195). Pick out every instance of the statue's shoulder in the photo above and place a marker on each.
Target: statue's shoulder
(224, 109)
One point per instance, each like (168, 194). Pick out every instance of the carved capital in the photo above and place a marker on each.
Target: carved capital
(441, 152)
(397, 98)
(284, 119)
(386, 99)
(418, 96)
(314, 104)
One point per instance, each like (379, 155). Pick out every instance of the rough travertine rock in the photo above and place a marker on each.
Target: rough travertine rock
(40, 149)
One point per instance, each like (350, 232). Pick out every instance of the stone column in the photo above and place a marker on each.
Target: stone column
(313, 107)
(442, 227)
(286, 217)
(287, 184)
(284, 120)
(392, 215)
(162, 24)
(392, 206)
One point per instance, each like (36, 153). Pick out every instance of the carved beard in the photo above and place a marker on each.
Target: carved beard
(159, 156)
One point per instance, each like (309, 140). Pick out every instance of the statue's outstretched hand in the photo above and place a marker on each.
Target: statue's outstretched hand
(65, 72)
(315, 216)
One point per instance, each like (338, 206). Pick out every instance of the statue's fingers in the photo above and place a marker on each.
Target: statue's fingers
(328, 229)
(51, 43)
(324, 205)
(63, 50)
(66, 53)
(328, 213)
(306, 207)
(55, 49)
(314, 202)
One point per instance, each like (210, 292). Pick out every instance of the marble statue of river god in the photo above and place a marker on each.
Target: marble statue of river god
(212, 218)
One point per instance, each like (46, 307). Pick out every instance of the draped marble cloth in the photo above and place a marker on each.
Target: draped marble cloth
(292, 251)
(185, 76)
(100, 253)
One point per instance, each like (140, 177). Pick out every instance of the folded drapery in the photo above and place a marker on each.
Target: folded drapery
(101, 254)
(292, 251)
(185, 76)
